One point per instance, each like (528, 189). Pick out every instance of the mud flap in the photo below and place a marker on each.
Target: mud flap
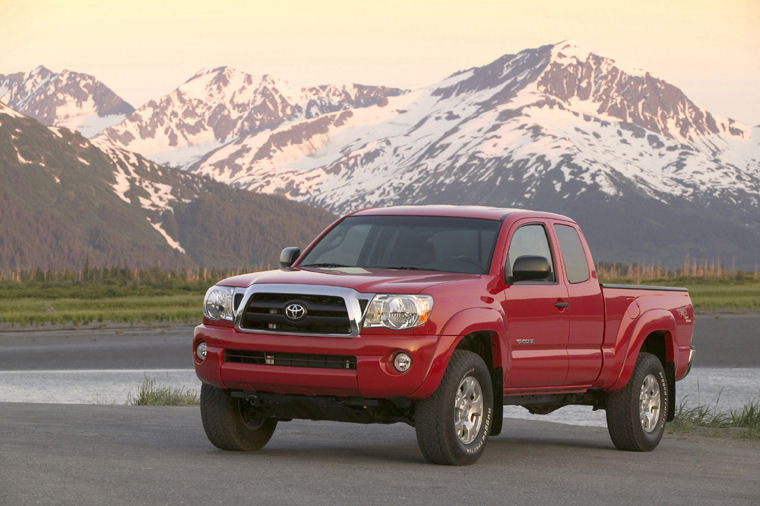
(497, 379)
(670, 375)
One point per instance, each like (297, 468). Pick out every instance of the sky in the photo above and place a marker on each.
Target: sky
(143, 49)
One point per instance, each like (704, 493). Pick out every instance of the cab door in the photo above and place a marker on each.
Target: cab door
(535, 312)
(586, 309)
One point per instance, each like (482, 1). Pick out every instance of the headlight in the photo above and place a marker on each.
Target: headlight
(218, 303)
(398, 312)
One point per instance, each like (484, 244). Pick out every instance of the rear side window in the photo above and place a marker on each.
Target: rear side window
(572, 254)
(529, 240)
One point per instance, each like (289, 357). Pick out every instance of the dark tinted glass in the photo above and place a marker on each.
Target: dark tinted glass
(572, 254)
(408, 242)
(529, 240)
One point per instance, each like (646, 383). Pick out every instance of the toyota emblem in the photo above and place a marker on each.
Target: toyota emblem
(295, 311)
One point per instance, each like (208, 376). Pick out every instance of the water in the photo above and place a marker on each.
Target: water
(721, 388)
(111, 386)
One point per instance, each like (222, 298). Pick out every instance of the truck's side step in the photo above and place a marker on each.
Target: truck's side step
(546, 403)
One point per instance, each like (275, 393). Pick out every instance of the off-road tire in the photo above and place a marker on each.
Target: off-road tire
(435, 416)
(224, 420)
(624, 408)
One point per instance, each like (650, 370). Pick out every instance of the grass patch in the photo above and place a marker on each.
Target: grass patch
(151, 395)
(745, 421)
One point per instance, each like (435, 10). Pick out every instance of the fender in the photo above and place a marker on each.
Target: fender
(655, 320)
(467, 321)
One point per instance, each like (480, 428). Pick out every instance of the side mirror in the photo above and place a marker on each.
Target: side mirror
(529, 267)
(288, 256)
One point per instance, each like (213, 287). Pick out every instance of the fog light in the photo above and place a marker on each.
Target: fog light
(200, 351)
(402, 362)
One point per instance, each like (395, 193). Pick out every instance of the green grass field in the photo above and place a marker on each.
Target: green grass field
(100, 301)
(728, 296)
(170, 299)
(134, 309)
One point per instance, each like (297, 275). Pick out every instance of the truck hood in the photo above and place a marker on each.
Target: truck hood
(361, 280)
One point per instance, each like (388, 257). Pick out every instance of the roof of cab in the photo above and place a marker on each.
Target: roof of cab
(483, 212)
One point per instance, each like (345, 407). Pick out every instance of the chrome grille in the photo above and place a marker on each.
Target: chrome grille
(324, 314)
(298, 309)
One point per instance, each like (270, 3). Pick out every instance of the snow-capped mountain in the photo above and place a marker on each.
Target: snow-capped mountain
(217, 106)
(69, 99)
(554, 128)
(650, 175)
(64, 201)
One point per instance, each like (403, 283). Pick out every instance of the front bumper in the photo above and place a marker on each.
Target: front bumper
(373, 377)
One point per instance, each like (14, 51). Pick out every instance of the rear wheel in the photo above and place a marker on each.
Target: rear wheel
(453, 424)
(231, 423)
(636, 414)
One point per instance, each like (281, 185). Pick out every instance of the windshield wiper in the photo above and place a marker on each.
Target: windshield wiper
(324, 264)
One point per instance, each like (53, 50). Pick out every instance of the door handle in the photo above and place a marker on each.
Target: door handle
(561, 305)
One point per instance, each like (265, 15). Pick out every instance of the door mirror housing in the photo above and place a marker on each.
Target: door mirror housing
(288, 256)
(531, 268)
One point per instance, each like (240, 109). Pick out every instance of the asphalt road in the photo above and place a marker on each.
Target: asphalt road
(135, 348)
(721, 341)
(64, 454)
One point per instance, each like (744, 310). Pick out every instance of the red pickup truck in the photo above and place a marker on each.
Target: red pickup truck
(438, 316)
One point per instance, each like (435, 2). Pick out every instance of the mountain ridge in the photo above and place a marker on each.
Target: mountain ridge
(70, 99)
(527, 130)
(650, 175)
(216, 106)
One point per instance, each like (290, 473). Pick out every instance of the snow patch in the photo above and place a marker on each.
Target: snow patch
(90, 124)
(21, 159)
(171, 242)
(183, 156)
(122, 186)
(4, 109)
(570, 52)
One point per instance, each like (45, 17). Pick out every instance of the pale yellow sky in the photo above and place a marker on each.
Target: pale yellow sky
(145, 48)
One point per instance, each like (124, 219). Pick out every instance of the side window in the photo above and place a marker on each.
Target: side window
(530, 240)
(572, 254)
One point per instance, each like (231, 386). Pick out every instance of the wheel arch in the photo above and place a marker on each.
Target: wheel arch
(654, 333)
(474, 329)
(661, 344)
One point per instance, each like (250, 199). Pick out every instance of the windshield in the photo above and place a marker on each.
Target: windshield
(435, 243)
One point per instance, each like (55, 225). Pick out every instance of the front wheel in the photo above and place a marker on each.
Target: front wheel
(636, 414)
(453, 424)
(231, 423)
